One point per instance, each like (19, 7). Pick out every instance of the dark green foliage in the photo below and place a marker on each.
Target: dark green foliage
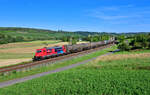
(19, 39)
(74, 41)
(96, 38)
(140, 41)
(65, 39)
(4, 39)
(124, 46)
(121, 38)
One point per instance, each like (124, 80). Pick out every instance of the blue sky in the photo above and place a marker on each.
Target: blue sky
(75, 15)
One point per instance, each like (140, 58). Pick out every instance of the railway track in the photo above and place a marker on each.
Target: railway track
(28, 66)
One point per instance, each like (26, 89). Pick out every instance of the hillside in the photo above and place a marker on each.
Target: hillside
(17, 34)
(35, 33)
(14, 34)
(42, 33)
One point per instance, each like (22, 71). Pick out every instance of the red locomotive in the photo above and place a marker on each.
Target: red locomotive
(49, 52)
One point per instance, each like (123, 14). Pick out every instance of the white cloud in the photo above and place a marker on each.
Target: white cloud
(109, 17)
(119, 12)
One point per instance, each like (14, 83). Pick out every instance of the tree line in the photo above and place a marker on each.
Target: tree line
(89, 38)
(139, 41)
(4, 39)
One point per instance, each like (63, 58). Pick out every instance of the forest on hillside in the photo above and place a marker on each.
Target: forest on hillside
(17, 34)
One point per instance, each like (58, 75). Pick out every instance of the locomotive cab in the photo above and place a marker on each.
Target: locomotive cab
(49, 53)
(40, 53)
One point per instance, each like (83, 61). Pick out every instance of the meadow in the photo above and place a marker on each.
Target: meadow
(121, 76)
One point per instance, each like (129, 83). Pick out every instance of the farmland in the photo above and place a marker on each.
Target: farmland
(121, 76)
(13, 53)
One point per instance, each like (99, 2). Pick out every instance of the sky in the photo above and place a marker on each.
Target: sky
(77, 15)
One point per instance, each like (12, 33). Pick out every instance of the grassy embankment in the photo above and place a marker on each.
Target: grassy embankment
(117, 74)
(55, 66)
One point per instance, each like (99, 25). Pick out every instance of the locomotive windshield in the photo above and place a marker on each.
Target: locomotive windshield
(38, 51)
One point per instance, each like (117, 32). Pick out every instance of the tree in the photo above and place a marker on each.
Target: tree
(19, 38)
(72, 41)
(124, 46)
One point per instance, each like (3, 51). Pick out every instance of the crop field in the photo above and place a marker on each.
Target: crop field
(121, 76)
(13, 53)
(123, 56)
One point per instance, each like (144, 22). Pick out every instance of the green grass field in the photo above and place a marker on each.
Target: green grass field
(124, 76)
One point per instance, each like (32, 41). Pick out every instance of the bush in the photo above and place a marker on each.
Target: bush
(74, 41)
(137, 45)
(140, 42)
(124, 46)
(145, 44)
(149, 46)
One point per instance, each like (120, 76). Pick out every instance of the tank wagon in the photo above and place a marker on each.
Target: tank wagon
(49, 52)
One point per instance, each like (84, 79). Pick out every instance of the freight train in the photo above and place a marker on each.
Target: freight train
(50, 52)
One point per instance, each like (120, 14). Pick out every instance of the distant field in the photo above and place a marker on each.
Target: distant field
(121, 76)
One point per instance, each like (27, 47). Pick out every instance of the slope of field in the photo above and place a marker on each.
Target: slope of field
(121, 76)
